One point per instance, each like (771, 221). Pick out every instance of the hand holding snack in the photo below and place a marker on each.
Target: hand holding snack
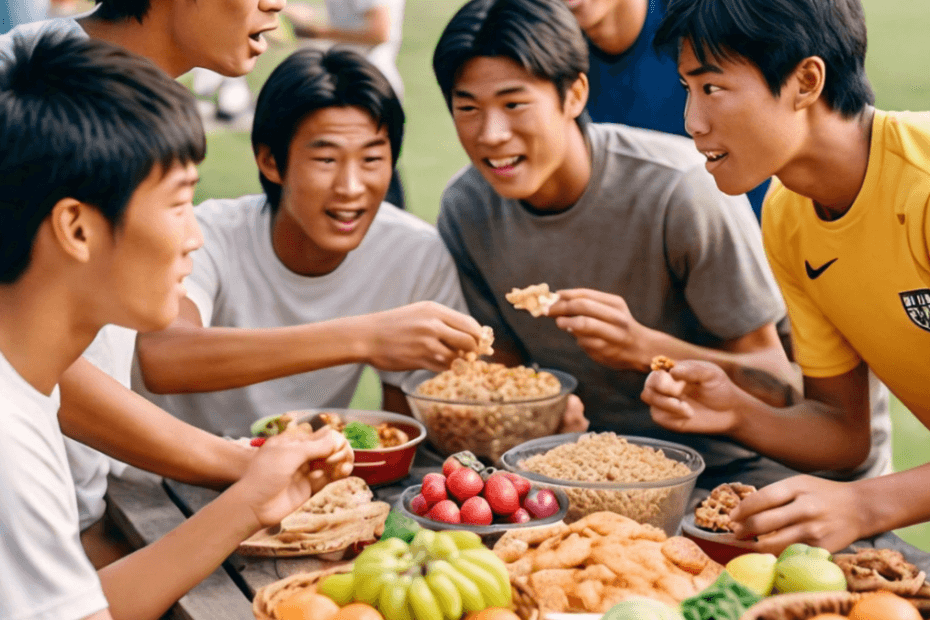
(693, 397)
(574, 420)
(604, 327)
(807, 509)
(420, 335)
(289, 468)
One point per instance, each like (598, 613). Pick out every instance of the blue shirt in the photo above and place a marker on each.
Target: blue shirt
(641, 88)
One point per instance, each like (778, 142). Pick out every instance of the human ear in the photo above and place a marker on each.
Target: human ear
(72, 226)
(810, 76)
(267, 165)
(576, 98)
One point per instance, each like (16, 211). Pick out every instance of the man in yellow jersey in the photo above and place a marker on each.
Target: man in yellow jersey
(845, 227)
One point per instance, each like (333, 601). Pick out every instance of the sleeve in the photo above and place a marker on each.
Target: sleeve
(918, 232)
(455, 228)
(45, 573)
(211, 266)
(819, 348)
(714, 249)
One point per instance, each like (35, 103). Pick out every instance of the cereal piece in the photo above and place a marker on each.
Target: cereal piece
(685, 554)
(535, 299)
(714, 512)
(660, 362)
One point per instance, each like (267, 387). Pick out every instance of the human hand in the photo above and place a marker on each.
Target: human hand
(693, 397)
(807, 509)
(289, 468)
(573, 420)
(420, 335)
(603, 327)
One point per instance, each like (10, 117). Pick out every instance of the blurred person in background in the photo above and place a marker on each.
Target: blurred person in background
(16, 12)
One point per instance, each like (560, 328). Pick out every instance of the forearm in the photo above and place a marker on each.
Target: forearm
(895, 501)
(809, 436)
(98, 411)
(362, 37)
(143, 585)
(186, 358)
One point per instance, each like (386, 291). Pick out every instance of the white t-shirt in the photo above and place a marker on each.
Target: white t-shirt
(238, 281)
(44, 573)
(350, 15)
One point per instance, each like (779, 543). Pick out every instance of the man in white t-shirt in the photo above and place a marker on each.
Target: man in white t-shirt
(295, 290)
(96, 232)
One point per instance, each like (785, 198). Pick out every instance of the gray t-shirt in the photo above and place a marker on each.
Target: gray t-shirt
(651, 227)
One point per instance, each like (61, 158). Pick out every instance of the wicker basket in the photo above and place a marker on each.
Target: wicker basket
(801, 606)
(266, 598)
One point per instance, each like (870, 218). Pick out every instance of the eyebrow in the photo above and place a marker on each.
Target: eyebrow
(464, 94)
(704, 68)
(322, 143)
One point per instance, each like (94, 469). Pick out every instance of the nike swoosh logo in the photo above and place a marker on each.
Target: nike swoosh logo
(813, 274)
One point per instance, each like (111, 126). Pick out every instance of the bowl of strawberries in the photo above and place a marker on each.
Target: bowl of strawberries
(469, 496)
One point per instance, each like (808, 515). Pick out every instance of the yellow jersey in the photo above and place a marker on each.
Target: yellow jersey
(858, 288)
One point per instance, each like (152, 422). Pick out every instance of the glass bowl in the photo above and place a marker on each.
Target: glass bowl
(487, 429)
(661, 503)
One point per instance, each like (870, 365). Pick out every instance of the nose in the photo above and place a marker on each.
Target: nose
(349, 181)
(193, 237)
(695, 121)
(495, 128)
(271, 6)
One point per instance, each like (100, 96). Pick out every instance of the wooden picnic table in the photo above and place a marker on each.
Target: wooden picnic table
(147, 507)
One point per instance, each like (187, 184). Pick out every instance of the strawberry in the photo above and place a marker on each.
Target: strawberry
(445, 511)
(476, 511)
(434, 488)
(464, 483)
(521, 484)
(418, 505)
(501, 495)
(450, 465)
(257, 442)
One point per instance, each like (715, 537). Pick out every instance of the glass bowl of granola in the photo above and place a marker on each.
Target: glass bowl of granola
(647, 480)
(487, 408)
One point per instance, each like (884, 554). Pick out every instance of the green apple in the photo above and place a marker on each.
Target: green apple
(807, 573)
(802, 549)
(756, 571)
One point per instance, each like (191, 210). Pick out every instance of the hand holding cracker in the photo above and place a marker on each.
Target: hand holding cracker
(693, 397)
(535, 299)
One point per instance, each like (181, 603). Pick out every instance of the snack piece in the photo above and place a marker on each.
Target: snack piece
(337, 518)
(601, 560)
(714, 512)
(484, 345)
(660, 362)
(535, 299)
(882, 569)
(385, 435)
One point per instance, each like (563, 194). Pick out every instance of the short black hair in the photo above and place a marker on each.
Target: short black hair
(542, 36)
(775, 36)
(83, 119)
(309, 80)
(115, 10)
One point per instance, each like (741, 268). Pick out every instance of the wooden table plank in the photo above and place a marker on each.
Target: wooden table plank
(143, 510)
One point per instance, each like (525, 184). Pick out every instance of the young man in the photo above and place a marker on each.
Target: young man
(845, 231)
(297, 288)
(630, 82)
(96, 232)
(647, 256)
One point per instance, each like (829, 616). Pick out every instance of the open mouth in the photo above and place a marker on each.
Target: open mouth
(504, 163)
(714, 156)
(345, 216)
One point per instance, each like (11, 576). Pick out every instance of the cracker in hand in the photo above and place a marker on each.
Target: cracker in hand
(535, 299)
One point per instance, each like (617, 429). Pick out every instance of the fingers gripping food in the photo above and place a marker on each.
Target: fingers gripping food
(535, 299)
(714, 512)
(484, 345)
(660, 362)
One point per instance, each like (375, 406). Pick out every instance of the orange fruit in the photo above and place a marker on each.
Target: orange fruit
(883, 605)
(829, 617)
(358, 611)
(307, 605)
(492, 613)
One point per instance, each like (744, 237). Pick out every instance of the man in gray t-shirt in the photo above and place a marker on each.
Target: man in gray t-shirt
(648, 257)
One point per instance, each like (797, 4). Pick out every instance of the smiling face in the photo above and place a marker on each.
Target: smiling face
(148, 255)
(338, 171)
(746, 133)
(222, 35)
(519, 135)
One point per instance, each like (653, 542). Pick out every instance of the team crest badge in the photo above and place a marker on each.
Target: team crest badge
(917, 305)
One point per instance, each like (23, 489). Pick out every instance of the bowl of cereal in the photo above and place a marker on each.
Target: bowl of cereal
(647, 480)
(487, 408)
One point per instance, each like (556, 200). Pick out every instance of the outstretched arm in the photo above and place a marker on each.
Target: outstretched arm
(377, 28)
(829, 429)
(187, 357)
(99, 411)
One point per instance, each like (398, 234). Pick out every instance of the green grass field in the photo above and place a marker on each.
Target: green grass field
(897, 64)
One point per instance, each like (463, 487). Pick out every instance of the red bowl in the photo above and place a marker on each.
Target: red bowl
(381, 465)
(720, 546)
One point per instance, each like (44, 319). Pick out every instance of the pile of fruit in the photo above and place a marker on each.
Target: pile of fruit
(467, 492)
